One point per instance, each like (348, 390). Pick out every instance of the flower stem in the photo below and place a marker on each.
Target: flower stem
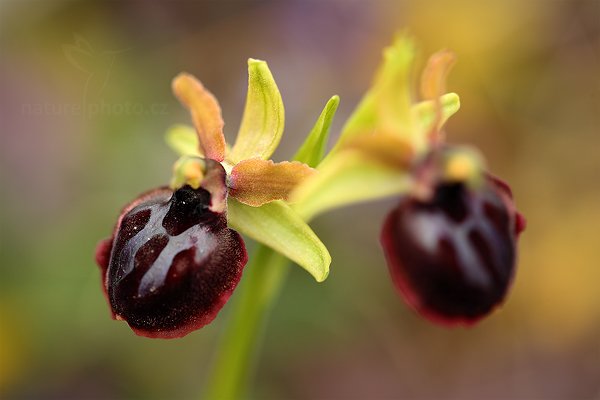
(236, 353)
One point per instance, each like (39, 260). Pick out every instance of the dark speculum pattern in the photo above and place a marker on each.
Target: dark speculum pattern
(453, 257)
(172, 263)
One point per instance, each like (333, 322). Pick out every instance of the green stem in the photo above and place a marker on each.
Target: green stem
(263, 278)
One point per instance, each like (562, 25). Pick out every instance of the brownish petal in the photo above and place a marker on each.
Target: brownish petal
(433, 85)
(256, 181)
(433, 79)
(206, 114)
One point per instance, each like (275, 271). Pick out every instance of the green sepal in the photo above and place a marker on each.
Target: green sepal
(276, 225)
(183, 140)
(313, 149)
(386, 106)
(264, 116)
(351, 177)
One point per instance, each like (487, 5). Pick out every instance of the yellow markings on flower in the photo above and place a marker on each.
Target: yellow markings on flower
(459, 168)
(463, 164)
(264, 117)
(194, 175)
(188, 171)
(206, 114)
(255, 181)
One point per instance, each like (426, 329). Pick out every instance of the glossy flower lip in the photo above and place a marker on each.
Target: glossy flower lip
(171, 263)
(453, 258)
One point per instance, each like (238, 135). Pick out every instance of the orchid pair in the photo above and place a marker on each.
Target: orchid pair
(174, 258)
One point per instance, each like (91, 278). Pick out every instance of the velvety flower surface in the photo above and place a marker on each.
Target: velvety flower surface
(172, 262)
(452, 257)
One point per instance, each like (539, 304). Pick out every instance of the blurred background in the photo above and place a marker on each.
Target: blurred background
(85, 99)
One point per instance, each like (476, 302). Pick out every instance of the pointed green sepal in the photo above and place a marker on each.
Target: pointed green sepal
(313, 149)
(276, 225)
(264, 118)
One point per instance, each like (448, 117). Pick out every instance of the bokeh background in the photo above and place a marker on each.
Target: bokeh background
(82, 134)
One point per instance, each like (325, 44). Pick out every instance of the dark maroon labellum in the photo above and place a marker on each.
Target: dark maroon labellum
(171, 264)
(453, 257)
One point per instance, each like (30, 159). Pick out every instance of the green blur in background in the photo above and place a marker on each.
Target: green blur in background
(85, 100)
